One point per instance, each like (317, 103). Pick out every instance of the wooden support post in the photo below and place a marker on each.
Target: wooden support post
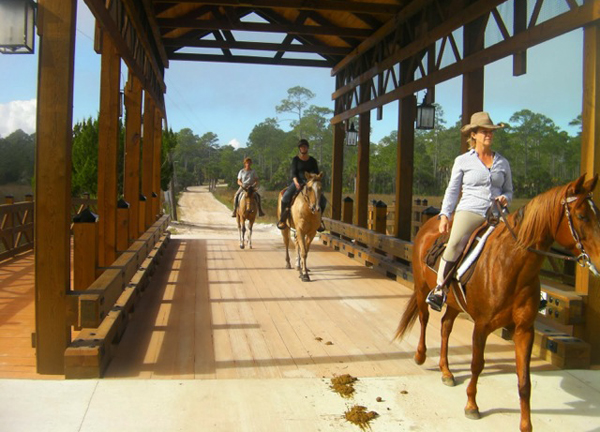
(156, 203)
(9, 221)
(472, 90)
(362, 171)
(347, 208)
(141, 225)
(133, 133)
(53, 181)
(380, 219)
(147, 158)
(85, 253)
(520, 25)
(590, 164)
(404, 168)
(123, 216)
(108, 144)
(337, 170)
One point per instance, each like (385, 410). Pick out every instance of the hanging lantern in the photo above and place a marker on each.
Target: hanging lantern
(351, 136)
(425, 114)
(17, 26)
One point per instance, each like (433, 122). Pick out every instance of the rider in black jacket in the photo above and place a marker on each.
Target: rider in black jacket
(301, 164)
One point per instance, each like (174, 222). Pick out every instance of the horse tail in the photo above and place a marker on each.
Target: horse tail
(408, 317)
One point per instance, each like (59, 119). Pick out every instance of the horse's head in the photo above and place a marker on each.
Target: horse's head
(313, 190)
(579, 229)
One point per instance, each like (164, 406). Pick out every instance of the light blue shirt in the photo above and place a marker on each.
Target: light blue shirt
(479, 184)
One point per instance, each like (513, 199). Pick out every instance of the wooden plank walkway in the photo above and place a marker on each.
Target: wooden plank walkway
(213, 311)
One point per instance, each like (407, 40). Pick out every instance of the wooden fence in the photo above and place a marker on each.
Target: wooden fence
(16, 227)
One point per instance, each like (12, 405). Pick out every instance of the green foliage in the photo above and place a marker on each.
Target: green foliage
(17, 152)
(540, 154)
(85, 158)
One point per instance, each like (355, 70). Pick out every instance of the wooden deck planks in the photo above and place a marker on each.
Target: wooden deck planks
(215, 311)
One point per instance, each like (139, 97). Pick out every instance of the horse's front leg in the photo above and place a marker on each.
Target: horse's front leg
(250, 224)
(243, 235)
(240, 232)
(447, 324)
(477, 362)
(286, 241)
(523, 339)
(302, 250)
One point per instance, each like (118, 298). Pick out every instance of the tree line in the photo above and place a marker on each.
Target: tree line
(541, 155)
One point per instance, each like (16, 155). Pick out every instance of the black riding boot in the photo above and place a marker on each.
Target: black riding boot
(437, 296)
(285, 212)
(260, 210)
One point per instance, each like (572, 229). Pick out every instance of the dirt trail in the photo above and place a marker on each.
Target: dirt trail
(202, 215)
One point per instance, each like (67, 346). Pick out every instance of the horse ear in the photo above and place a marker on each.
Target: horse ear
(307, 175)
(319, 176)
(575, 187)
(590, 185)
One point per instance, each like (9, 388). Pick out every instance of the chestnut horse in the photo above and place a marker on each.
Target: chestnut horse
(246, 211)
(504, 290)
(305, 218)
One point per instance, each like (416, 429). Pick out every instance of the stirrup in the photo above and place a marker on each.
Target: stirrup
(321, 227)
(436, 298)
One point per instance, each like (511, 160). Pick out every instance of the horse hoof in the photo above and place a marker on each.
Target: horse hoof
(449, 381)
(472, 414)
(305, 278)
(241, 246)
(288, 266)
(298, 268)
(419, 359)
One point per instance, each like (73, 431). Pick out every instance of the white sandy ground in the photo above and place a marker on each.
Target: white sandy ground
(201, 215)
(562, 401)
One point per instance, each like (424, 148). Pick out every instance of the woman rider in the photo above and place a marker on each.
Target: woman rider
(482, 176)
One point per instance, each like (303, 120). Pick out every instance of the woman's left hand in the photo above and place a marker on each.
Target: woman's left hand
(502, 200)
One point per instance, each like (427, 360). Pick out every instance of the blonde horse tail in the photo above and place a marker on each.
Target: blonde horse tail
(408, 317)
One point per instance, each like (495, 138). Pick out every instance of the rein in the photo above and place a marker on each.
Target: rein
(583, 259)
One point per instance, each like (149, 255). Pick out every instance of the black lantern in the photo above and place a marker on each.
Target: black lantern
(351, 136)
(17, 26)
(425, 114)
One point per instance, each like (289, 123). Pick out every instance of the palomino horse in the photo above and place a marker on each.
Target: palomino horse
(305, 218)
(246, 211)
(504, 290)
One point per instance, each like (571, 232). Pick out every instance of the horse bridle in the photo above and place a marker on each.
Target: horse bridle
(583, 259)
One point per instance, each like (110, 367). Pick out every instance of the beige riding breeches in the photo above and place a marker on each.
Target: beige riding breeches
(465, 222)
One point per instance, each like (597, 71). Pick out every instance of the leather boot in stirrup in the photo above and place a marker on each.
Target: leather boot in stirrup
(437, 296)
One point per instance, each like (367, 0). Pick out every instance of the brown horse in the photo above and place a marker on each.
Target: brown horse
(305, 218)
(504, 290)
(246, 211)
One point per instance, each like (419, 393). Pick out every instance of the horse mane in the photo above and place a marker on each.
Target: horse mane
(538, 219)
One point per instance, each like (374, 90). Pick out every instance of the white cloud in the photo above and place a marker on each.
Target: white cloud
(17, 114)
(234, 143)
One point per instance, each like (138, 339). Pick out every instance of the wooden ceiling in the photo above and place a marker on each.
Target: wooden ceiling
(316, 33)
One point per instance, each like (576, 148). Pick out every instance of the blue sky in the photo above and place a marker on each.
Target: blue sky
(230, 99)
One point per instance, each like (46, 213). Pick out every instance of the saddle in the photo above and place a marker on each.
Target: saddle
(464, 267)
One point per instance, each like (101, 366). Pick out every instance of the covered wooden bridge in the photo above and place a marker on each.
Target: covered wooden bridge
(379, 52)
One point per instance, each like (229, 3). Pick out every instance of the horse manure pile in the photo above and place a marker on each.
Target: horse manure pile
(343, 385)
(359, 416)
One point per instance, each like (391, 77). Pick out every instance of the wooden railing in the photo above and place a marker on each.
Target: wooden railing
(102, 310)
(16, 227)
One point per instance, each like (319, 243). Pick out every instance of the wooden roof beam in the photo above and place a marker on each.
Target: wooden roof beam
(445, 28)
(262, 27)
(256, 46)
(250, 60)
(586, 14)
(408, 11)
(320, 5)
